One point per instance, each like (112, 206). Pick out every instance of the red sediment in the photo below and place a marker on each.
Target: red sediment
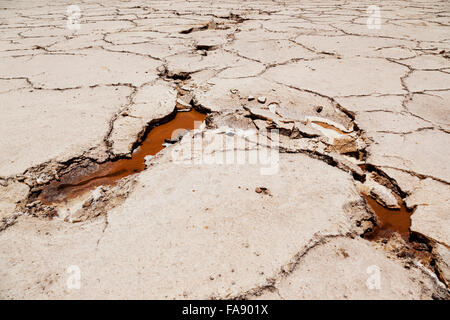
(389, 220)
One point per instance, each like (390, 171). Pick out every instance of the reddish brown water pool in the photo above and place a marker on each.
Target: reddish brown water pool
(389, 220)
(83, 179)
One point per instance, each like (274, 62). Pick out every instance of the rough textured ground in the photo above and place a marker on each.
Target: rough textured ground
(359, 110)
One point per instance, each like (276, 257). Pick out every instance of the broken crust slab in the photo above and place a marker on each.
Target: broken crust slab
(424, 152)
(432, 214)
(290, 104)
(145, 237)
(87, 67)
(359, 76)
(355, 270)
(219, 60)
(64, 124)
(152, 102)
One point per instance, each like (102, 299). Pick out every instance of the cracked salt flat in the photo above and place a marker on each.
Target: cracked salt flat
(71, 98)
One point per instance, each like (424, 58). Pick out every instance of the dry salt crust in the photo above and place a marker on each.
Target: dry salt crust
(196, 230)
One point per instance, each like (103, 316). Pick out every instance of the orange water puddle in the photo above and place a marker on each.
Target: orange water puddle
(389, 220)
(81, 180)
